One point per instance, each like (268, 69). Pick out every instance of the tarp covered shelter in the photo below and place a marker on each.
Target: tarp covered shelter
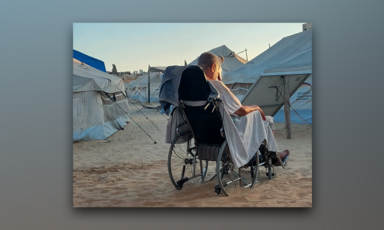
(91, 61)
(290, 57)
(137, 89)
(153, 90)
(292, 53)
(100, 107)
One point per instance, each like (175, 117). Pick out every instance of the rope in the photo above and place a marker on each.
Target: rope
(146, 99)
(288, 102)
(127, 112)
(142, 129)
(135, 105)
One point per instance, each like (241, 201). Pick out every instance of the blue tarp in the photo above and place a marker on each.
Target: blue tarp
(95, 63)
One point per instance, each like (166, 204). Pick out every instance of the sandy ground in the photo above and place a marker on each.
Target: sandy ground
(129, 170)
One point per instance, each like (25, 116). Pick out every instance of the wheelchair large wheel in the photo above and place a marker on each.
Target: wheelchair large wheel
(233, 180)
(184, 168)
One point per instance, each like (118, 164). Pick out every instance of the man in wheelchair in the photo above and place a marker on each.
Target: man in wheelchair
(211, 65)
(209, 123)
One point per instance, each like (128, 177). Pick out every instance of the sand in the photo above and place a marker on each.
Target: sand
(129, 170)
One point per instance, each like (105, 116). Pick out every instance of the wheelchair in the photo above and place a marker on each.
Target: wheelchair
(200, 143)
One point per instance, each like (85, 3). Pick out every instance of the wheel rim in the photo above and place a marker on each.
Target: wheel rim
(255, 170)
(233, 180)
(180, 156)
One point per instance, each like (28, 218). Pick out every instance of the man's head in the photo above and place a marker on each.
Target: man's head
(211, 64)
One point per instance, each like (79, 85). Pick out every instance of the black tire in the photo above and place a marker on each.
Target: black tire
(255, 170)
(180, 156)
(233, 180)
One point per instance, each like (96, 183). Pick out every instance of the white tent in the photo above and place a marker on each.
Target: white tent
(100, 107)
(290, 57)
(292, 54)
(137, 89)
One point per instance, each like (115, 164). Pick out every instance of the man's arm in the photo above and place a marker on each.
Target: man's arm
(245, 109)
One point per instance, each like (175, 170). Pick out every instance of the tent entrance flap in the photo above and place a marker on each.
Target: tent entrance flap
(268, 92)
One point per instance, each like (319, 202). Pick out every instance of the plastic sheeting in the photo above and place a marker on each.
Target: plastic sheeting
(100, 106)
(87, 78)
(137, 89)
(301, 101)
(142, 81)
(141, 94)
(91, 61)
(291, 55)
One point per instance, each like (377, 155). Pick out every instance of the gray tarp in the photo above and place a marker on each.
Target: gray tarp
(97, 115)
(87, 78)
(291, 55)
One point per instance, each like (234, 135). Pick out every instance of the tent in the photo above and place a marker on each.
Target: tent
(290, 57)
(292, 53)
(137, 89)
(91, 61)
(100, 107)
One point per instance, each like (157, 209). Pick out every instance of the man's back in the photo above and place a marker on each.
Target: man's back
(231, 103)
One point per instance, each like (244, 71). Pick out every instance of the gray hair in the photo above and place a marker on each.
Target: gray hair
(207, 59)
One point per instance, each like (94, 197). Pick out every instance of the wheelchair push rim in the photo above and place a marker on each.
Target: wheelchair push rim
(233, 180)
(184, 167)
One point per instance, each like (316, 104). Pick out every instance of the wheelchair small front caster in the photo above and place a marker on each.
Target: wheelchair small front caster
(269, 173)
(218, 189)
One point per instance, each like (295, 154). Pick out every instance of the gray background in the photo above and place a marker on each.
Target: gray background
(36, 99)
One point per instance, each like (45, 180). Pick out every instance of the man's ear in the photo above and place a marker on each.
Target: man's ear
(213, 67)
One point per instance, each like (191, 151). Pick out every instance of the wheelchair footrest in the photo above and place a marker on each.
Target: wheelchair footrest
(218, 189)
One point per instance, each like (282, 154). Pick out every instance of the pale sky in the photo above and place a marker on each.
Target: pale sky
(134, 46)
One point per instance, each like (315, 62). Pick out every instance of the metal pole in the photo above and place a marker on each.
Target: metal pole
(149, 84)
(246, 53)
(287, 110)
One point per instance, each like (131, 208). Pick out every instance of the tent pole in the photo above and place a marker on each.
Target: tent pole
(149, 84)
(287, 107)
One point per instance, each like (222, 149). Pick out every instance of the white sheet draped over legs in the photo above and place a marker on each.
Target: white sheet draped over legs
(245, 134)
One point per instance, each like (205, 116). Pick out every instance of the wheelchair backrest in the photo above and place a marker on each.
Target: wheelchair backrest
(205, 123)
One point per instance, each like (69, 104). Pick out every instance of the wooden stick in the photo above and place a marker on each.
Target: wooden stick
(287, 109)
